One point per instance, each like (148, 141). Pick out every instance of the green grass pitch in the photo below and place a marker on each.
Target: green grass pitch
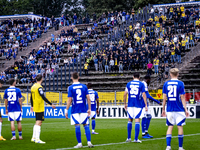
(59, 134)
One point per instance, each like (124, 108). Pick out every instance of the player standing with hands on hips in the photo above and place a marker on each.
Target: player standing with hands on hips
(174, 93)
(77, 95)
(37, 105)
(13, 104)
(135, 89)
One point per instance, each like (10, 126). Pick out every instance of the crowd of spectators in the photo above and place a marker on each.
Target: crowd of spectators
(153, 44)
(15, 34)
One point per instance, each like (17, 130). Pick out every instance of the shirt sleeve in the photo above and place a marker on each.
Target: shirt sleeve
(69, 91)
(142, 87)
(19, 93)
(43, 97)
(5, 95)
(126, 89)
(164, 89)
(182, 89)
(96, 95)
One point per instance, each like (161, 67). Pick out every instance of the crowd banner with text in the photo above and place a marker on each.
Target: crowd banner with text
(104, 112)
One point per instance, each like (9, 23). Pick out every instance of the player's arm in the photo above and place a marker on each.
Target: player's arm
(31, 100)
(145, 100)
(20, 99)
(20, 103)
(184, 104)
(44, 98)
(6, 106)
(125, 96)
(68, 105)
(151, 98)
(97, 100)
(6, 101)
(89, 104)
(164, 103)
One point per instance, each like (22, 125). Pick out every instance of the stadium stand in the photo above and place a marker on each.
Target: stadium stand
(149, 42)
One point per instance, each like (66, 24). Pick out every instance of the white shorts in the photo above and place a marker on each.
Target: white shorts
(135, 113)
(93, 114)
(145, 113)
(177, 118)
(79, 118)
(15, 116)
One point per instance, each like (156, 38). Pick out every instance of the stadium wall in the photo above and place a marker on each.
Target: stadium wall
(104, 112)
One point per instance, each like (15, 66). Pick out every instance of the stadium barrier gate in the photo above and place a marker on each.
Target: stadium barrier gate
(111, 104)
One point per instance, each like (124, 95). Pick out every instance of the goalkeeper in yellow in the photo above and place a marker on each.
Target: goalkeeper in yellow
(37, 105)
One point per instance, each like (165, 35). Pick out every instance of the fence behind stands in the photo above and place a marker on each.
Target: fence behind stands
(105, 98)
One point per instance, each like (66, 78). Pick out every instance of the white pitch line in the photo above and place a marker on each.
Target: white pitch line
(34, 123)
(125, 142)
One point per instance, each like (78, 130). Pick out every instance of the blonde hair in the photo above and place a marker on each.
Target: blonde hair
(174, 71)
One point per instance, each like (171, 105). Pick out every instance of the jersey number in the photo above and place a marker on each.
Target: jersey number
(92, 98)
(134, 89)
(78, 97)
(12, 96)
(172, 92)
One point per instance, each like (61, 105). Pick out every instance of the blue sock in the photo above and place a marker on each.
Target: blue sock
(168, 139)
(93, 124)
(180, 140)
(129, 129)
(87, 132)
(137, 130)
(78, 133)
(148, 123)
(20, 133)
(13, 133)
(144, 120)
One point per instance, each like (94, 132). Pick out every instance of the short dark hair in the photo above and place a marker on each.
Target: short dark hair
(1, 81)
(136, 75)
(11, 81)
(89, 85)
(39, 77)
(75, 75)
(147, 77)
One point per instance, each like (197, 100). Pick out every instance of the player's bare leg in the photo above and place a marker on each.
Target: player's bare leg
(169, 137)
(180, 137)
(129, 129)
(37, 132)
(19, 129)
(13, 130)
(1, 137)
(88, 135)
(137, 130)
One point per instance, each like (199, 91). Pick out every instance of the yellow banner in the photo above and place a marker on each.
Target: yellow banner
(53, 97)
(157, 94)
(24, 99)
(64, 98)
(104, 97)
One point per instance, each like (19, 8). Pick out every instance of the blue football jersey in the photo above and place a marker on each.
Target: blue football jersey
(93, 97)
(174, 89)
(78, 93)
(135, 89)
(12, 94)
